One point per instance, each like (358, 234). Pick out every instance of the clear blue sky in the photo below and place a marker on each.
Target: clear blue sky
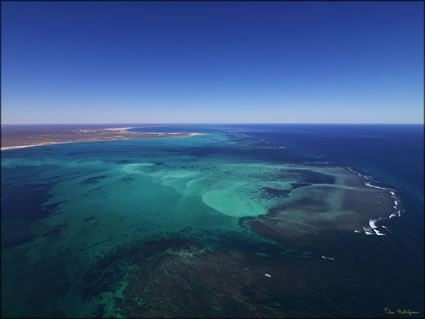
(219, 62)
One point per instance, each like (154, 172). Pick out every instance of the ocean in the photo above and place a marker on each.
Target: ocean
(245, 221)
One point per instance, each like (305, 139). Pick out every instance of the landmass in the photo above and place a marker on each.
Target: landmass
(22, 136)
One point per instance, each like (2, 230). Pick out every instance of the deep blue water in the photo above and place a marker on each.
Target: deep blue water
(370, 271)
(392, 154)
(392, 150)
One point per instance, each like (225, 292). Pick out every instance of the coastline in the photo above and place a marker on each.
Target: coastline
(99, 135)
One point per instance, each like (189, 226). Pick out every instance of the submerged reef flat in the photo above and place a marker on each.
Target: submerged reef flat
(22, 136)
(229, 282)
(337, 199)
(214, 225)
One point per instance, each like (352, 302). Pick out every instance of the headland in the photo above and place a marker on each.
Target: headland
(23, 136)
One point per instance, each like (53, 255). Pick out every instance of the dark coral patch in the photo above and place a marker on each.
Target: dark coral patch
(93, 180)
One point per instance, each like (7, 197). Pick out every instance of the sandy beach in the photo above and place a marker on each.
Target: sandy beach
(17, 137)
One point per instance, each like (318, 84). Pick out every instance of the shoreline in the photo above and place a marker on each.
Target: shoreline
(123, 130)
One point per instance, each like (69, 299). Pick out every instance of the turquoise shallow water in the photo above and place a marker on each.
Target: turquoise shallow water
(121, 228)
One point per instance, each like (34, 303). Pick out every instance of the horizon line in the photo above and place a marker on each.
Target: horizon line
(211, 123)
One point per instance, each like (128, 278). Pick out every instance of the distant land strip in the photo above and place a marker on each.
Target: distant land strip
(16, 137)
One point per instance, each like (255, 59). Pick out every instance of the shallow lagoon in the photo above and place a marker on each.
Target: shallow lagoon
(129, 228)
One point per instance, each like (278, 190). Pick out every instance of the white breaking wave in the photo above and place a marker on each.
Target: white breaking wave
(374, 186)
(368, 230)
(379, 233)
(373, 228)
(373, 225)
